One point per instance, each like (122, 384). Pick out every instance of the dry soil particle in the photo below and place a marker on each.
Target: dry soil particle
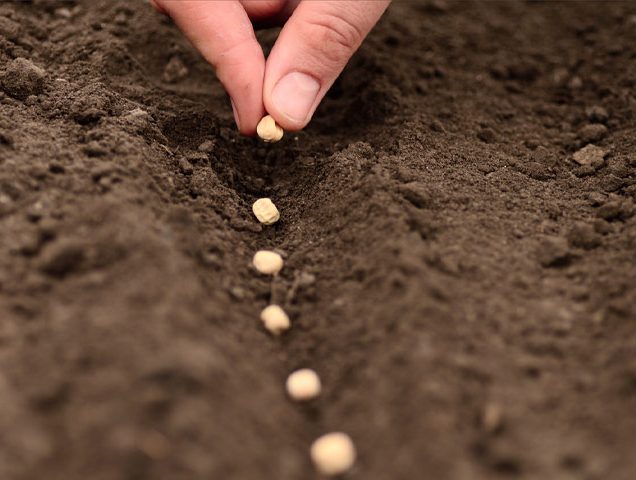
(465, 291)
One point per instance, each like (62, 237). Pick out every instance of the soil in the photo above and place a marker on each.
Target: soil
(465, 288)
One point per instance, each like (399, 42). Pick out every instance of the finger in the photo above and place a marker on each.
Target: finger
(223, 33)
(310, 53)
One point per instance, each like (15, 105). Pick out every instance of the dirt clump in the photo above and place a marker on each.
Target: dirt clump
(590, 155)
(22, 78)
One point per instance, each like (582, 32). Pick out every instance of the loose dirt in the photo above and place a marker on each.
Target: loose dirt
(464, 287)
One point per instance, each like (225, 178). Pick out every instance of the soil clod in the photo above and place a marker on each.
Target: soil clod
(553, 251)
(592, 133)
(23, 78)
(583, 235)
(590, 155)
(597, 114)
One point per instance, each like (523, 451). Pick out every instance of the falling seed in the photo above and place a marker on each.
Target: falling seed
(265, 211)
(268, 130)
(333, 453)
(275, 319)
(303, 385)
(267, 262)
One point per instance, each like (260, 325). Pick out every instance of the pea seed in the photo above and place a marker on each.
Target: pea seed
(268, 130)
(265, 211)
(333, 453)
(275, 320)
(267, 262)
(303, 385)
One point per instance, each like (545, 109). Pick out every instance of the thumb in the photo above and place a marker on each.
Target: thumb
(311, 51)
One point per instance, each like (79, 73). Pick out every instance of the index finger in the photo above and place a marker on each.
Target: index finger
(223, 33)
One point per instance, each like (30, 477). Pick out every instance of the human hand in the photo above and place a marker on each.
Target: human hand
(317, 40)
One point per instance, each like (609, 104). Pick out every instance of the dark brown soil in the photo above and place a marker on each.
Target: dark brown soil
(465, 288)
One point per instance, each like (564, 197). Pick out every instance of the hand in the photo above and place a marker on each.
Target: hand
(317, 40)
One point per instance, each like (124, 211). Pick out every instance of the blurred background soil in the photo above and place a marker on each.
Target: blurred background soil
(461, 276)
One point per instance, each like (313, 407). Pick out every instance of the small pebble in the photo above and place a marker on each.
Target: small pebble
(303, 385)
(333, 453)
(265, 211)
(275, 320)
(268, 130)
(267, 262)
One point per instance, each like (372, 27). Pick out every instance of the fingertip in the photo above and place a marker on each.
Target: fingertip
(247, 114)
(246, 96)
(248, 129)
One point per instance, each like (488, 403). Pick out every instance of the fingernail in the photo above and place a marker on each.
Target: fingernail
(295, 94)
(236, 117)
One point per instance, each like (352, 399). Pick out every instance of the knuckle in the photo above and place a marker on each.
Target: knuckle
(335, 34)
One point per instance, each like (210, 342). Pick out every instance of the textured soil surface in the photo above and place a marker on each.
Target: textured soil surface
(460, 274)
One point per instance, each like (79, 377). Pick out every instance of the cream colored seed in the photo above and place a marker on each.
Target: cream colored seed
(265, 211)
(268, 130)
(267, 262)
(333, 454)
(303, 385)
(275, 319)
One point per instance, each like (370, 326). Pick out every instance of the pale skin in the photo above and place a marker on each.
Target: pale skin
(317, 40)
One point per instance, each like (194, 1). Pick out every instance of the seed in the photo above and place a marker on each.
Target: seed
(303, 385)
(268, 130)
(265, 211)
(275, 319)
(333, 453)
(267, 262)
